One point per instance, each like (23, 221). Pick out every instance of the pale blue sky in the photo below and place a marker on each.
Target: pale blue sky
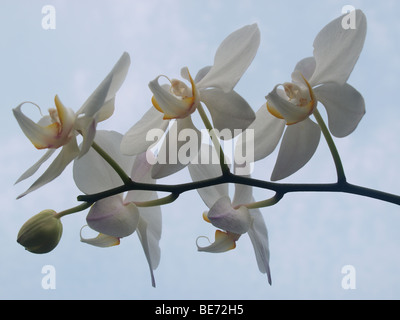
(312, 236)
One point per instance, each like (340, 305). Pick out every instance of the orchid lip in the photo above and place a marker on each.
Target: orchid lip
(178, 102)
(224, 241)
(299, 105)
(52, 131)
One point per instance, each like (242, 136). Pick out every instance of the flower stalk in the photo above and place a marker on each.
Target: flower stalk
(124, 177)
(214, 139)
(157, 202)
(78, 208)
(265, 203)
(332, 147)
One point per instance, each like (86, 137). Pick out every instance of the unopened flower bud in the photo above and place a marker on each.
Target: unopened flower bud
(41, 233)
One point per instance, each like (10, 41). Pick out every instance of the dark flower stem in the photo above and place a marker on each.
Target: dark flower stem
(280, 188)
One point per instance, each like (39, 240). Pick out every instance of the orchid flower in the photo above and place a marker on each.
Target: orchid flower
(321, 78)
(233, 217)
(59, 129)
(212, 86)
(118, 216)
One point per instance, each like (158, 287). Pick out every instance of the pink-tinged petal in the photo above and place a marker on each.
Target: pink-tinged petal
(68, 153)
(142, 167)
(224, 241)
(336, 50)
(222, 215)
(232, 59)
(228, 111)
(101, 240)
(205, 168)
(141, 136)
(141, 172)
(297, 147)
(345, 107)
(112, 217)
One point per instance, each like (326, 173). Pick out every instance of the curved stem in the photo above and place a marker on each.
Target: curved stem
(332, 147)
(265, 203)
(158, 202)
(79, 208)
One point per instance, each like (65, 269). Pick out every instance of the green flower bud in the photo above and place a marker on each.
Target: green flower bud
(41, 233)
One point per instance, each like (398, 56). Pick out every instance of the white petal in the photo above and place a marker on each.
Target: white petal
(101, 241)
(261, 137)
(243, 195)
(306, 67)
(297, 147)
(232, 59)
(206, 169)
(100, 105)
(336, 50)
(149, 232)
(228, 111)
(222, 215)
(92, 173)
(345, 107)
(201, 74)
(28, 173)
(118, 74)
(96, 100)
(259, 238)
(111, 217)
(106, 110)
(180, 146)
(107, 89)
(87, 127)
(139, 138)
(68, 153)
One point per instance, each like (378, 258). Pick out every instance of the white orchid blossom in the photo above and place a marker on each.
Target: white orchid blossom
(117, 216)
(233, 217)
(59, 129)
(322, 78)
(212, 86)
